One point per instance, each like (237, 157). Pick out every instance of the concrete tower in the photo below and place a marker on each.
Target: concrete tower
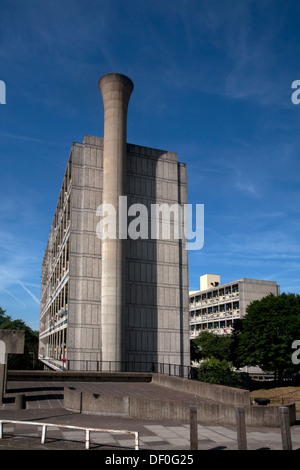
(116, 90)
(122, 300)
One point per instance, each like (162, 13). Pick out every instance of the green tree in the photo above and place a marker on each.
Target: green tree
(208, 345)
(2, 316)
(29, 358)
(216, 371)
(265, 335)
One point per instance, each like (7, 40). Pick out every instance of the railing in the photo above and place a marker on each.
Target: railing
(176, 370)
(112, 366)
(67, 426)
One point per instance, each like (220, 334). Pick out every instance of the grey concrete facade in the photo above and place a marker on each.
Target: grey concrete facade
(156, 270)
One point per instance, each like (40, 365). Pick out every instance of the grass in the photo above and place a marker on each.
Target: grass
(279, 395)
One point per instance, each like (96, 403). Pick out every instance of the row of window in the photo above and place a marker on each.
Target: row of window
(215, 309)
(218, 326)
(212, 324)
(215, 294)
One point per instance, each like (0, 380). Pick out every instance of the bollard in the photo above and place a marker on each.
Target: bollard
(193, 428)
(285, 428)
(20, 402)
(241, 428)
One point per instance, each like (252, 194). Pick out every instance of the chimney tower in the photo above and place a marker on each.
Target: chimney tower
(116, 90)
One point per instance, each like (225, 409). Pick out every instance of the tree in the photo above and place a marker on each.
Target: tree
(208, 345)
(2, 316)
(265, 335)
(26, 360)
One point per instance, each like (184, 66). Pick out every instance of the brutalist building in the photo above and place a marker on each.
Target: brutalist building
(114, 295)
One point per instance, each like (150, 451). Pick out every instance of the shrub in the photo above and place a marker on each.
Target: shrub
(216, 371)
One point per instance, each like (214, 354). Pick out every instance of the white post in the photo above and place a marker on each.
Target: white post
(87, 439)
(43, 434)
(136, 441)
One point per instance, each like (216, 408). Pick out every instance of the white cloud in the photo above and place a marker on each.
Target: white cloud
(29, 292)
(247, 187)
(13, 296)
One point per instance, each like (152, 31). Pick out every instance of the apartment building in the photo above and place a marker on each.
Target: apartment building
(114, 304)
(215, 306)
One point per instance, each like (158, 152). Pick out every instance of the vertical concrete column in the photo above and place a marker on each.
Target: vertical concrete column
(285, 428)
(193, 428)
(116, 90)
(241, 427)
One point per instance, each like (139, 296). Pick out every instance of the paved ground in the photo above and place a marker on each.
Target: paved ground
(44, 403)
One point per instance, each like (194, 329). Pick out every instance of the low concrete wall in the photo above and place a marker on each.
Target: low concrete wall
(73, 399)
(268, 416)
(158, 410)
(154, 409)
(218, 406)
(93, 403)
(219, 393)
(106, 404)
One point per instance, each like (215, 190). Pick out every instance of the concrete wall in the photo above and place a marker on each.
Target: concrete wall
(207, 413)
(11, 342)
(84, 306)
(157, 270)
(91, 403)
(14, 341)
(221, 412)
(252, 289)
(179, 411)
(257, 415)
(156, 327)
(219, 393)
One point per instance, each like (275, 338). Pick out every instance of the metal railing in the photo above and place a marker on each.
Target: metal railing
(77, 365)
(112, 366)
(67, 426)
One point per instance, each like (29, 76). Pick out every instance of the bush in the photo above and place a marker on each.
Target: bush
(216, 371)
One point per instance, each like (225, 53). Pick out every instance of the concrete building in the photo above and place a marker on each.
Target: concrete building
(215, 306)
(114, 303)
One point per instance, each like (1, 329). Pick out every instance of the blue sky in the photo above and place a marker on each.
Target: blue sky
(212, 83)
